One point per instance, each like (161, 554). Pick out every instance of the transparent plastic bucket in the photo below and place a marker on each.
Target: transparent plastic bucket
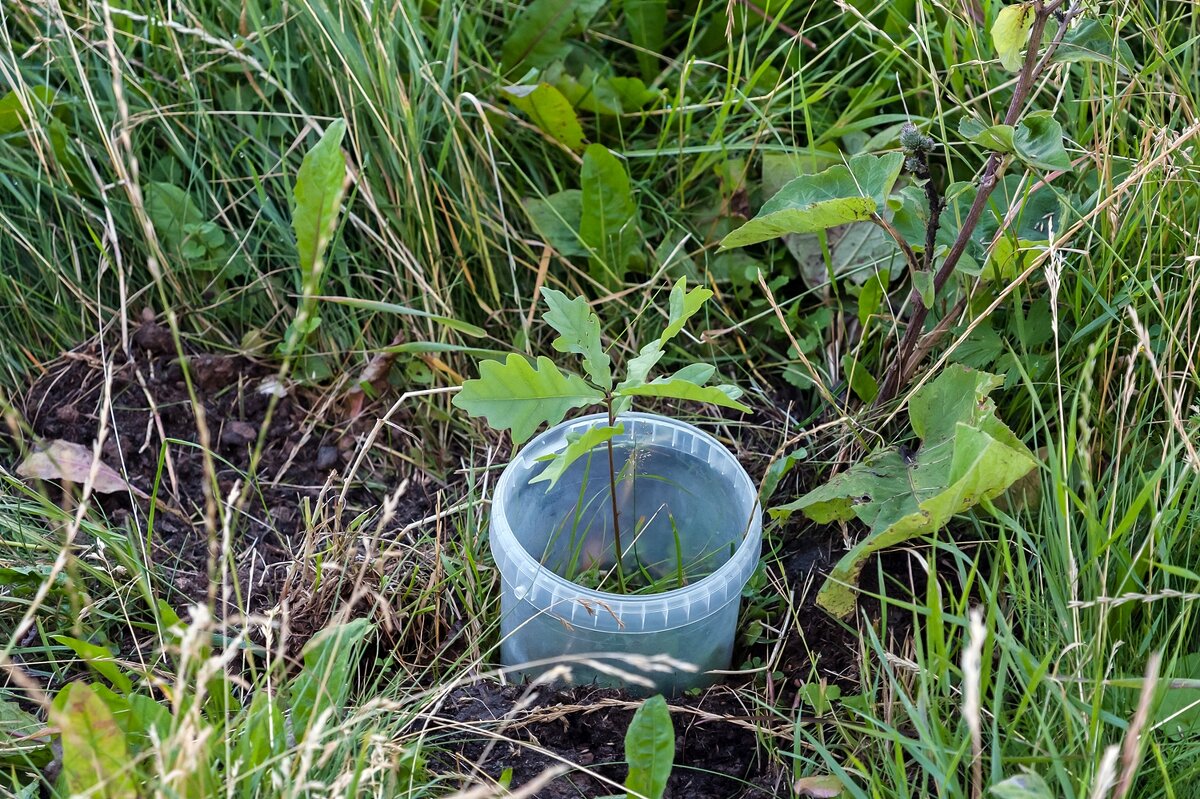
(691, 528)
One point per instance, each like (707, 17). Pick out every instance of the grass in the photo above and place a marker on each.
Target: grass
(1083, 587)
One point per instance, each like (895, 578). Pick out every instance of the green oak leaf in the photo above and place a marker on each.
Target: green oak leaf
(675, 388)
(547, 108)
(841, 194)
(967, 456)
(1038, 142)
(1010, 32)
(577, 446)
(682, 307)
(515, 396)
(698, 373)
(579, 332)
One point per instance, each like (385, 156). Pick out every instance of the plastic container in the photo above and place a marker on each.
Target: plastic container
(690, 522)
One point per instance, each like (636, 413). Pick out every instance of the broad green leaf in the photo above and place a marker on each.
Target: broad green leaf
(1038, 142)
(837, 196)
(1178, 712)
(724, 395)
(514, 396)
(95, 756)
(871, 296)
(376, 306)
(860, 380)
(180, 224)
(1010, 32)
(17, 729)
(1094, 40)
(577, 446)
(967, 455)
(324, 682)
(147, 716)
(537, 33)
(12, 113)
(1010, 258)
(633, 93)
(637, 371)
(683, 305)
(780, 169)
(1022, 786)
(924, 284)
(990, 137)
(779, 469)
(579, 332)
(601, 94)
(556, 219)
(549, 110)
(99, 660)
(650, 749)
(260, 737)
(607, 223)
(647, 23)
(320, 186)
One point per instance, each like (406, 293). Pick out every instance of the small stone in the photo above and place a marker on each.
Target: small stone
(238, 434)
(327, 458)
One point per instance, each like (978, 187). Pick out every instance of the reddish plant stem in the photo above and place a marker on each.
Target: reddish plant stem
(612, 490)
(905, 363)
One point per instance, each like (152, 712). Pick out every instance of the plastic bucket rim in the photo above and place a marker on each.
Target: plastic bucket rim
(737, 569)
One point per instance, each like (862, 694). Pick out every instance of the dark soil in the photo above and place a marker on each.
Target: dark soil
(720, 738)
(716, 747)
(151, 404)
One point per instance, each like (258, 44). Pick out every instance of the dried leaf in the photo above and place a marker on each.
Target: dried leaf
(64, 460)
(824, 787)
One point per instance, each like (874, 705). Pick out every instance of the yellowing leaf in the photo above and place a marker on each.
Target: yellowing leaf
(1010, 32)
(549, 110)
(71, 463)
(823, 787)
(967, 455)
(95, 758)
(515, 396)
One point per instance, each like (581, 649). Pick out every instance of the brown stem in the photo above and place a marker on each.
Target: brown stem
(904, 364)
(914, 263)
(612, 489)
